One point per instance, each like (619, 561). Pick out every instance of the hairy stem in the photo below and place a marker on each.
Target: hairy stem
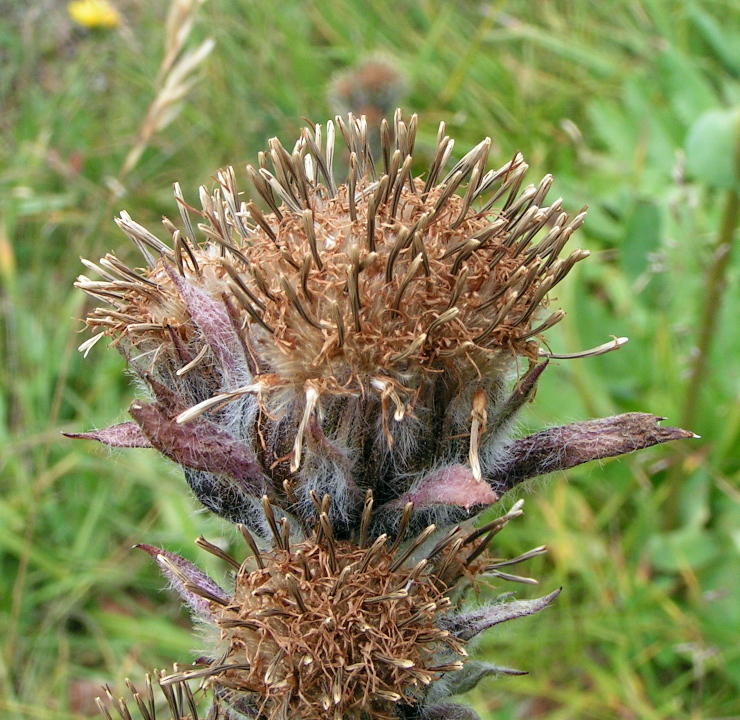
(716, 285)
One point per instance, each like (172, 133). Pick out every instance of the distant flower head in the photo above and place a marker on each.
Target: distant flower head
(373, 86)
(94, 14)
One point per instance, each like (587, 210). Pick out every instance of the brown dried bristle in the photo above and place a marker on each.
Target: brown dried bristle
(180, 703)
(327, 629)
(385, 276)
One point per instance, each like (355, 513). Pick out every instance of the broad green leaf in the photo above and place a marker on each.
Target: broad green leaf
(641, 237)
(689, 547)
(712, 148)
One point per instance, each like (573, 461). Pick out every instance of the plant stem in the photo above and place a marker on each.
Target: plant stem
(716, 285)
(708, 323)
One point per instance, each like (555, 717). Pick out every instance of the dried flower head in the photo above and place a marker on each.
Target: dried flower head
(335, 368)
(324, 628)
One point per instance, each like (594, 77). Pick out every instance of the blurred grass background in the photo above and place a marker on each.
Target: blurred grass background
(601, 94)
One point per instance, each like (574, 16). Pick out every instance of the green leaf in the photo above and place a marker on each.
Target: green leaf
(689, 547)
(641, 237)
(688, 91)
(724, 44)
(712, 148)
(695, 498)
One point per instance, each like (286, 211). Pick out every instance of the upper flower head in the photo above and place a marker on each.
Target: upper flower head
(344, 337)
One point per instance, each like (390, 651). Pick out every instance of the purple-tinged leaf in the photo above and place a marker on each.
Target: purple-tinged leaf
(200, 445)
(467, 625)
(564, 447)
(214, 322)
(188, 579)
(125, 435)
(453, 485)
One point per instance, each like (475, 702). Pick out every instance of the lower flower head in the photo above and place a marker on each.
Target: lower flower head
(319, 628)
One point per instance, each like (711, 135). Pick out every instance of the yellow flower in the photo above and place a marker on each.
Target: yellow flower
(94, 13)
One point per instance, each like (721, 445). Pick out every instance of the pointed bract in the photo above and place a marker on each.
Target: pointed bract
(564, 447)
(191, 583)
(124, 435)
(200, 445)
(466, 679)
(467, 625)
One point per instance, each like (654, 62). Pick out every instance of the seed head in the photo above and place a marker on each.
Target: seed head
(326, 628)
(344, 337)
(373, 86)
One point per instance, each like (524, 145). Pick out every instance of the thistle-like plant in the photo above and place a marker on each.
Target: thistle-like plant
(339, 371)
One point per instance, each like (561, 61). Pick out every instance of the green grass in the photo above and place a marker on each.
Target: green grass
(600, 94)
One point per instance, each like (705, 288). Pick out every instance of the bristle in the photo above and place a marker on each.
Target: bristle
(256, 215)
(403, 177)
(478, 418)
(403, 239)
(181, 677)
(353, 287)
(393, 175)
(365, 519)
(312, 398)
(408, 277)
(292, 296)
(238, 279)
(284, 524)
(416, 543)
(145, 705)
(252, 545)
(304, 187)
(372, 207)
(372, 552)
(328, 534)
(270, 517)
(402, 525)
(217, 551)
(352, 187)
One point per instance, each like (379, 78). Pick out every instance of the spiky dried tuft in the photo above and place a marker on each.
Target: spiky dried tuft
(322, 628)
(349, 336)
(386, 276)
(178, 697)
